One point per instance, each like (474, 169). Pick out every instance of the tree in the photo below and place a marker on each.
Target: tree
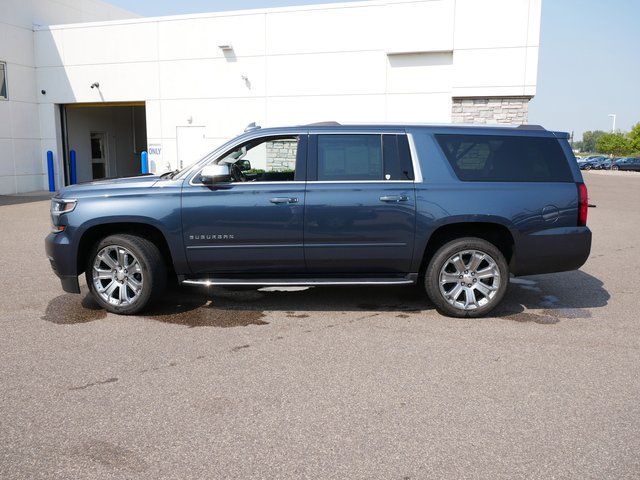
(589, 139)
(614, 143)
(634, 137)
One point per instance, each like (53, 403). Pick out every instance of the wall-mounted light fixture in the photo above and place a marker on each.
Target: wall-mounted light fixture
(95, 85)
(227, 47)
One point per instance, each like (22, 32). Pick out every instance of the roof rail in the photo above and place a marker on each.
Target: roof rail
(531, 127)
(330, 123)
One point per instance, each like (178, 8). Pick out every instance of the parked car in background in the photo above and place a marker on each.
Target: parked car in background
(604, 164)
(592, 163)
(627, 163)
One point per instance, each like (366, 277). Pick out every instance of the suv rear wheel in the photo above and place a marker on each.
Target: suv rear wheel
(125, 273)
(467, 277)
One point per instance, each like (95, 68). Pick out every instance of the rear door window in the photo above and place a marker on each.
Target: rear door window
(363, 157)
(397, 158)
(502, 158)
(349, 157)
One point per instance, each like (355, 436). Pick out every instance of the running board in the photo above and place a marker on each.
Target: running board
(300, 282)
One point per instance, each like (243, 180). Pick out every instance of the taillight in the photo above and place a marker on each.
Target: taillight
(583, 204)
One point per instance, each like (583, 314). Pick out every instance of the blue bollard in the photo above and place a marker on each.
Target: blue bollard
(72, 168)
(144, 163)
(52, 178)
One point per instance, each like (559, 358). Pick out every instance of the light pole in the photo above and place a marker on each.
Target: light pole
(613, 128)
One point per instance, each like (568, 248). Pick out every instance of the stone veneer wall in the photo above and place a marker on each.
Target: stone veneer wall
(490, 110)
(281, 155)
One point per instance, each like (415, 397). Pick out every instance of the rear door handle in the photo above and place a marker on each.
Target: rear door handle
(394, 198)
(278, 200)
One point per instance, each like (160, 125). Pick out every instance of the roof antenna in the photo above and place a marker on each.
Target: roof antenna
(252, 126)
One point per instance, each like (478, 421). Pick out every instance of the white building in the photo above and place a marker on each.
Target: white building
(178, 86)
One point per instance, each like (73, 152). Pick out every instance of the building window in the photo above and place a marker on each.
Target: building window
(3, 81)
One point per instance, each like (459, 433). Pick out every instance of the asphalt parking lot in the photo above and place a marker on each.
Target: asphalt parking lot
(327, 382)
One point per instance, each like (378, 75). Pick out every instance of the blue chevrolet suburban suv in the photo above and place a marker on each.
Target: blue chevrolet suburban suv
(456, 209)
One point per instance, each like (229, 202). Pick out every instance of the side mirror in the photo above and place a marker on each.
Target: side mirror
(216, 173)
(244, 165)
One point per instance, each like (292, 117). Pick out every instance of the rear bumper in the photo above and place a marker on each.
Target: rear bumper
(63, 261)
(552, 250)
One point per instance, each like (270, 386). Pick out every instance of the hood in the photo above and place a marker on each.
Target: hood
(113, 184)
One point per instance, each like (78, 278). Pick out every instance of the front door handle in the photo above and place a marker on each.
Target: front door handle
(278, 200)
(394, 198)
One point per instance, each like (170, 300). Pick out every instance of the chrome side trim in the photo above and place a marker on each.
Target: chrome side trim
(298, 283)
(300, 245)
(339, 245)
(235, 184)
(417, 171)
(284, 245)
(360, 181)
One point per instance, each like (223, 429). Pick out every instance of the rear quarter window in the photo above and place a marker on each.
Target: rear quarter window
(502, 158)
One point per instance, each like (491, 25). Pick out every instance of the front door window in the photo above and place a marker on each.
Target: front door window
(264, 160)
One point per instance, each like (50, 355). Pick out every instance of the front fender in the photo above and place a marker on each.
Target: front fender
(155, 207)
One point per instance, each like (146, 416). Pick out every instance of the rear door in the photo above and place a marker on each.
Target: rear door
(360, 203)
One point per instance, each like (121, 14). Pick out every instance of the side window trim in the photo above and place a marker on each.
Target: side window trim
(300, 174)
(4, 82)
(312, 158)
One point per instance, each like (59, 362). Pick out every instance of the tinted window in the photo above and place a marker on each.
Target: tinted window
(493, 158)
(349, 157)
(397, 158)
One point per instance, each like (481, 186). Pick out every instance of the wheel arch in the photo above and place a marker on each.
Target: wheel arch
(494, 232)
(97, 232)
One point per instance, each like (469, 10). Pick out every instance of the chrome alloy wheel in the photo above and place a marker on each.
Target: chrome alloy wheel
(117, 275)
(469, 279)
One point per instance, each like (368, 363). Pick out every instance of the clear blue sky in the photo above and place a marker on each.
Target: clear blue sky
(589, 57)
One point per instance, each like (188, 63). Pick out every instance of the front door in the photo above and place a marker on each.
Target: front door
(254, 223)
(360, 204)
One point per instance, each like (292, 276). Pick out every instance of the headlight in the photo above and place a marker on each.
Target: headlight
(60, 206)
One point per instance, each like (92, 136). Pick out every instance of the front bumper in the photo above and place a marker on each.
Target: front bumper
(62, 259)
(552, 250)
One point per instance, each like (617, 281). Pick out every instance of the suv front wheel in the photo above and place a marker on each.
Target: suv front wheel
(125, 273)
(467, 277)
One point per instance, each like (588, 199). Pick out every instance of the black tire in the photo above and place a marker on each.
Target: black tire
(437, 262)
(152, 266)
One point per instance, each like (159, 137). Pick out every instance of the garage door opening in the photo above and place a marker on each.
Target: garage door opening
(108, 139)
